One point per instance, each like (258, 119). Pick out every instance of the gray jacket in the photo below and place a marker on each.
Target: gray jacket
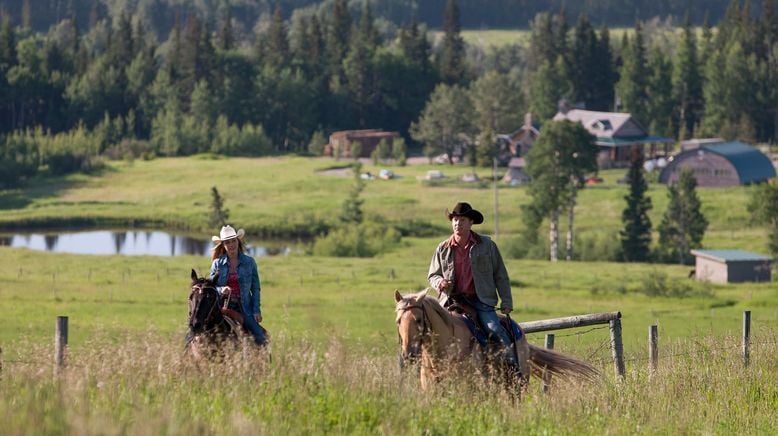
(489, 273)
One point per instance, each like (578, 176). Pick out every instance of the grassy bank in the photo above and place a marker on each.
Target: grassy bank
(292, 197)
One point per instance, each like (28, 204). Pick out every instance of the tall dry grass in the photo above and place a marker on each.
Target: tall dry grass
(145, 385)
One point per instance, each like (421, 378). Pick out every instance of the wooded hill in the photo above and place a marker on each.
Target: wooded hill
(70, 98)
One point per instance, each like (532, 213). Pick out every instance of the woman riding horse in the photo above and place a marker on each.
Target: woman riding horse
(237, 278)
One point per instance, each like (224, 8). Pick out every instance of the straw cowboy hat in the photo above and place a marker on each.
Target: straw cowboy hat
(464, 209)
(227, 233)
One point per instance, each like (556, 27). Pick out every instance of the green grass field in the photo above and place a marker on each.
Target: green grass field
(332, 319)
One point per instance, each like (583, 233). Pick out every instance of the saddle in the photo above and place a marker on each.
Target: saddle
(235, 320)
(470, 316)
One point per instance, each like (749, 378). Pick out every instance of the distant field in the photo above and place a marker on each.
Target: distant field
(292, 194)
(500, 37)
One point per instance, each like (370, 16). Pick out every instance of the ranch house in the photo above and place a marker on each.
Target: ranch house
(617, 133)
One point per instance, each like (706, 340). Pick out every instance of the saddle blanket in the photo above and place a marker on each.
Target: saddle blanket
(479, 334)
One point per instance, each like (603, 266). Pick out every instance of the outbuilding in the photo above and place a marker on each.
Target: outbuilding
(720, 164)
(731, 266)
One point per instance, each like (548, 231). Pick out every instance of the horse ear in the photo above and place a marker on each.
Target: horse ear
(397, 296)
(194, 275)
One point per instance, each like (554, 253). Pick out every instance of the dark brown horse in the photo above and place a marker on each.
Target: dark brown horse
(209, 328)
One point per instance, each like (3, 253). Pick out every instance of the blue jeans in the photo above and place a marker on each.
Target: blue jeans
(490, 323)
(253, 326)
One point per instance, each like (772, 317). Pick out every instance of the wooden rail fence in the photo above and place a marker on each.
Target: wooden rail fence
(613, 319)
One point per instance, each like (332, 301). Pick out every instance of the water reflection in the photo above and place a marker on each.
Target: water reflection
(130, 243)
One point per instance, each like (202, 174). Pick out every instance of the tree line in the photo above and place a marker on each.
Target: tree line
(160, 15)
(69, 99)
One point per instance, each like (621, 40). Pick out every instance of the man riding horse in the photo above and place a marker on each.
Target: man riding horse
(467, 270)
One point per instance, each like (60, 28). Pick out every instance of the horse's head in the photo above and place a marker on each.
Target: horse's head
(203, 303)
(413, 324)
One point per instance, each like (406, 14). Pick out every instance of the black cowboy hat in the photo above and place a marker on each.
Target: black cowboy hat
(464, 209)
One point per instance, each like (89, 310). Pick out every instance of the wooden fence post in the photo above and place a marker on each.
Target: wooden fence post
(653, 349)
(617, 348)
(746, 336)
(546, 374)
(60, 342)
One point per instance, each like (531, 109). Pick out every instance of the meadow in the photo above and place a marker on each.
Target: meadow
(334, 367)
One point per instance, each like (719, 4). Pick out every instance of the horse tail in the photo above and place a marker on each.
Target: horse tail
(560, 365)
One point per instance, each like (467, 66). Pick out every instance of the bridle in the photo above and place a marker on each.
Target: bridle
(199, 288)
(414, 350)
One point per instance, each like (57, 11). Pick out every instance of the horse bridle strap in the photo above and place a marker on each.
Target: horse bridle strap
(210, 312)
(425, 319)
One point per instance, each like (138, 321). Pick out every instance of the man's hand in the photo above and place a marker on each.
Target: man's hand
(258, 318)
(226, 290)
(506, 311)
(444, 285)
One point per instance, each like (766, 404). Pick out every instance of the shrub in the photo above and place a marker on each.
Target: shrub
(362, 240)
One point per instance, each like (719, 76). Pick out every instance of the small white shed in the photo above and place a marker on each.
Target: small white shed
(731, 266)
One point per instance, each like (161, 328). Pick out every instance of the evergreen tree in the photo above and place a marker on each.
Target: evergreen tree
(414, 46)
(549, 86)
(583, 66)
(367, 30)
(7, 44)
(337, 41)
(542, 45)
(351, 211)
(360, 81)
(604, 77)
(631, 87)
(225, 37)
(636, 235)
(687, 83)
(770, 25)
(659, 90)
(219, 215)
(451, 63)
(121, 52)
(561, 36)
(764, 210)
(276, 54)
(683, 224)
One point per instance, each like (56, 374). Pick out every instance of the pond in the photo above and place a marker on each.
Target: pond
(131, 243)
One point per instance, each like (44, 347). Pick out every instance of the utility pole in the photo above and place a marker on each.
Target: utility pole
(496, 206)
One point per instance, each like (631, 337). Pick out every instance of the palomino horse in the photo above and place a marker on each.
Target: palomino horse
(209, 327)
(441, 342)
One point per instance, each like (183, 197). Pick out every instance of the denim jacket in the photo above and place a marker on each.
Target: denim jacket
(489, 273)
(248, 278)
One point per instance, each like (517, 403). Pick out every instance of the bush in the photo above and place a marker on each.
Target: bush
(596, 246)
(363, 240)
(317, 143)
(657, 284)
(130, 149)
